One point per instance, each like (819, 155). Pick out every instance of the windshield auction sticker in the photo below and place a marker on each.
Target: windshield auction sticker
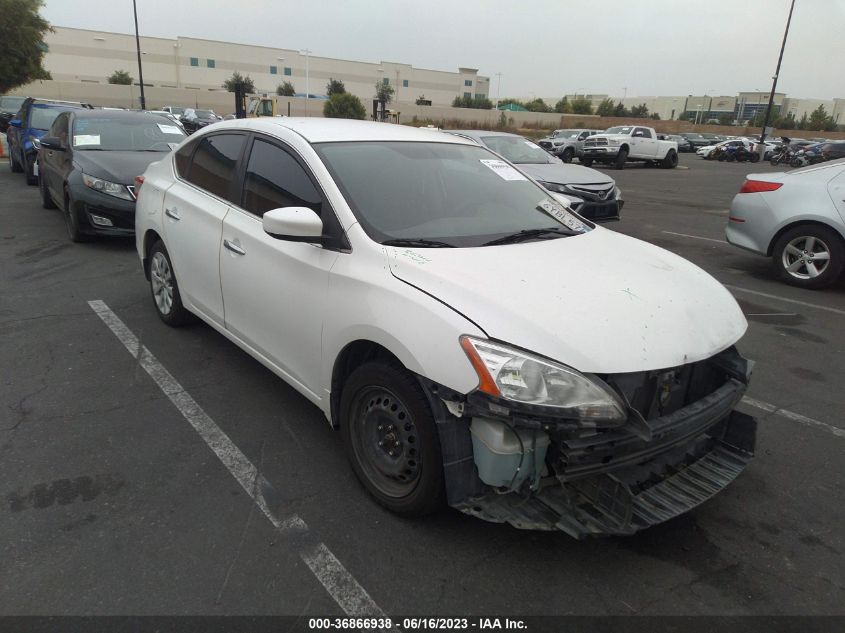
(561, 215)
(86, 139)
(505, 171)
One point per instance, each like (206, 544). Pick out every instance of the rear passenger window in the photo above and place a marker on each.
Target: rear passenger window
(274, 180)
(214, 164)
(183, 159)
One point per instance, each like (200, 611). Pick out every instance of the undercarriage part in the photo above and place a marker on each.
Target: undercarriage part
(628, 500)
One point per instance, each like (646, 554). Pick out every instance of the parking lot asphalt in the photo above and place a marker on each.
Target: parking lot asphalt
(113, 503)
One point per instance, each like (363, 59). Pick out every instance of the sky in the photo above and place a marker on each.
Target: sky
(541, 47)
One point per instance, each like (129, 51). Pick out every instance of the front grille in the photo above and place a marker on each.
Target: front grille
(595, 142)
(592, 193)
(545, 144)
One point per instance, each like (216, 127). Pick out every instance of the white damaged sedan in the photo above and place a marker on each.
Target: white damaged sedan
(476, 342)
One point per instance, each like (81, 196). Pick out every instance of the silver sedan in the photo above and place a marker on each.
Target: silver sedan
(797, 219)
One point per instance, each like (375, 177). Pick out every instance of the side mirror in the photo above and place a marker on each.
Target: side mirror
(15, 122)
(52, 142)
(294, 224)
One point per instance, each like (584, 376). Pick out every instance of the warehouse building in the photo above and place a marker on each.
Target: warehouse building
(91, 56)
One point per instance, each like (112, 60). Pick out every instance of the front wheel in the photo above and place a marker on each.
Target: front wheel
(391, 439)
(621, 157)
(165, 290)
(809, 256)
(567, 155)
(670, 161)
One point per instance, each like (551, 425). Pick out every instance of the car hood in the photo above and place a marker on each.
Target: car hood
(599, 302)
(563, 173)
(119, 167)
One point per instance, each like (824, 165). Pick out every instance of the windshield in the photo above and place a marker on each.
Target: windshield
(567, 133)
(517, 150)
(619, 129)
(42, 118)
(458, 195)
(124, 134)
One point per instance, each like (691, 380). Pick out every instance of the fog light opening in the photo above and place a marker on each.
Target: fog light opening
(100, 220)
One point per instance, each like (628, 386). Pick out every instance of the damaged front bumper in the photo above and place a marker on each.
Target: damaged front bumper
(678, 449)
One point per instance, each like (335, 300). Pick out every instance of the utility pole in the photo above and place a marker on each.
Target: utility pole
(775, 80)
(307, 87)
(138, 50)
(498, 88)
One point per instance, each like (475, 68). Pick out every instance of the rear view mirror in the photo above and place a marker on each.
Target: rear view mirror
(294, 224)
(15, 122)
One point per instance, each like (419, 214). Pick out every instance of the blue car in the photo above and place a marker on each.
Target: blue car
(30, 123)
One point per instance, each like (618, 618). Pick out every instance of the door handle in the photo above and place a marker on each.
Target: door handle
(234, 247)
(172, 214)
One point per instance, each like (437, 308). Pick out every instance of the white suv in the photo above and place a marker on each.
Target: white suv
(475, 341)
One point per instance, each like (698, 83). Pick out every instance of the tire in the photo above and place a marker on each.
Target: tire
(774, 161)
(72, 222)
(754, 157)
(621, 157)
(670, 161)
(383, 409)
(795, 162)
(164, 288)
(789, 250)
(46, 200)
(731, 158)
(31, 178)
(13, 164)
(567, 155)
(587, 162)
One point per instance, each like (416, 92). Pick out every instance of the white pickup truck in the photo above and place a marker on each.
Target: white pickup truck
(626, 143)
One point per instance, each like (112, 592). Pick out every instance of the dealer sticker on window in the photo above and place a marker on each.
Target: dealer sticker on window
(505, 171)
(561, 215)
(169, 129)
(86, 139)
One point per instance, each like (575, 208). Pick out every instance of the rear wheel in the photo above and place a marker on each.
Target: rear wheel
(754, 157)
(621, 157)
(567, 155)
(809, 256)
(391, 439)
(165, 290)
(670, 161)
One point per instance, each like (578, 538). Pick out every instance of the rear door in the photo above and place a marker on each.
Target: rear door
(194, 208)
(646, 143)
(836, 187)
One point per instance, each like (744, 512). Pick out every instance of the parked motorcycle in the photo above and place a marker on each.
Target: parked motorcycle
(738, 153)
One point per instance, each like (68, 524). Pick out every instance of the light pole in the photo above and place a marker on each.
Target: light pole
(307, 87)
(138, 50)
(775, 77)
(498, 88)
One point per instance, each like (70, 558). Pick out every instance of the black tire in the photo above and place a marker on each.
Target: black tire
(670, 161)
(391, 439)
(722, 158)
(731, 158)
(567, 155)
(72, 221)
(825, 239)
(587, 162)
(621, 157)
(170, 311)
(31, 178)
(46, 199)
(13, 164)
(795, 162)
(774, 161)
(754, 157)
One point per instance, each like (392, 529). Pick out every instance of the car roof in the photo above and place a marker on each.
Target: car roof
(320, 130)
(118, 115)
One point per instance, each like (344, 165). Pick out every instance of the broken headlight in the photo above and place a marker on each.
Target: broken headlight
(512, 374)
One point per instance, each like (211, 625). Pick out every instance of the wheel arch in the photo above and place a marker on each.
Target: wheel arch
(803, 222)
(150, 238)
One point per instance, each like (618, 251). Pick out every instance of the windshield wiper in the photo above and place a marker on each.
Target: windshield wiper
(417, 241)
(527, 234)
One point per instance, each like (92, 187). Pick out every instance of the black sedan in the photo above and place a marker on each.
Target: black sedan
(88, 162)
(194, 120)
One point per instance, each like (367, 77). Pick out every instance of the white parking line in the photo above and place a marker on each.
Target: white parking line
(696, 237)
(815, 306)
(338, 582)
(795, 417)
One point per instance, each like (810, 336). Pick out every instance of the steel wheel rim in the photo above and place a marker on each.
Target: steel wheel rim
(161, 281)
(806, 257)
(385, 441)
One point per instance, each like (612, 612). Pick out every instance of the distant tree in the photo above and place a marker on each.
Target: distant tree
(537, 105)
(786, 122)
(335, 87)
(238, 79)
(384, 91)
(457, 102)
(563, 106)
(803, 122)
(343, 105)
(820, 120)
(605, 107)
(482, 103)
(580, 105)
(285, 89)
(620, 110)
(120, 77)
(22, 32)
(640, 111)
(503, 121)
(505, 102)
(654, 116)
(725, 119)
